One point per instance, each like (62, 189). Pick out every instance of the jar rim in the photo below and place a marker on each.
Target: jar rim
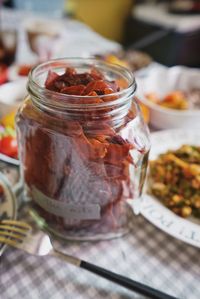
(37, 89)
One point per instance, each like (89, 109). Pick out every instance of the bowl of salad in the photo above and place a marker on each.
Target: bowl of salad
(172, 96)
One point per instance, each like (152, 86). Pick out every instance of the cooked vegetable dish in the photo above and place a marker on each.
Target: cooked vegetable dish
(175, 180)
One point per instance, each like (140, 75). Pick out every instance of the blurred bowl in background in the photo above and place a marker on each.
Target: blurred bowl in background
(11, 94)
(163, 81)
(132, 59)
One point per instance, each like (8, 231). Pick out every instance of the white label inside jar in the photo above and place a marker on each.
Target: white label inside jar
(65, 210)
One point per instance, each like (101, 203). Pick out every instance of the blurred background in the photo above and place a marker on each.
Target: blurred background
(169, 31)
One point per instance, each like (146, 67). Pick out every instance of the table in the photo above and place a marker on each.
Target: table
(145, 254)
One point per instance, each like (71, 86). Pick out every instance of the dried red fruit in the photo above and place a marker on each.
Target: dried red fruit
(96, 75)
(70, 71)
(73, 90)
(50, 80)
(73, 83)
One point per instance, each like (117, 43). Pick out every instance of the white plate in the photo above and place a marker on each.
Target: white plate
(8, 207)
(187, 230)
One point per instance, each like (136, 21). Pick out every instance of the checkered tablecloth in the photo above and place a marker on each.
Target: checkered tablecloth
(145, 254)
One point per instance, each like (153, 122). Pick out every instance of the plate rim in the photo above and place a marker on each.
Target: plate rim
(163, 218)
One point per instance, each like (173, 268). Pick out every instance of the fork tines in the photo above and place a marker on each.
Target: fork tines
(13, 232)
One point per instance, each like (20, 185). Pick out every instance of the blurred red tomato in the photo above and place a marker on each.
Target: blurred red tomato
(8, 146)
(3, 74)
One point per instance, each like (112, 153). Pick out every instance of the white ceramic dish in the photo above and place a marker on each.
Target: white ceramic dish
(11, 94)
(187, 230)
(163, 80)
(8, 205)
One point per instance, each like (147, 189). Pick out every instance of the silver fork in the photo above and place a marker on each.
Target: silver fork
(20, 235)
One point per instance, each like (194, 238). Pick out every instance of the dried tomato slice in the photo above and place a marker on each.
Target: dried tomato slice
(70, 71)
(118, 150)
(50, 80)
(87, 84)
(96, 75)
(73, 90)
(98, 86)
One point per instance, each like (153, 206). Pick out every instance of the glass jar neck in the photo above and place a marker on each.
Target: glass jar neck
(113, 105)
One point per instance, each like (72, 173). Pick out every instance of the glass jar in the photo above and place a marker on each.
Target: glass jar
(83, 158)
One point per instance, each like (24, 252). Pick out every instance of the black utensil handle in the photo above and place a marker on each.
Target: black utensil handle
(126, 282)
